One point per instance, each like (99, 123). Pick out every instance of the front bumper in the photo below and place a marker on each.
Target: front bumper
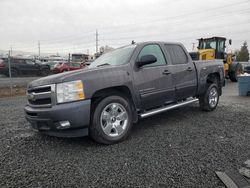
(47, 120)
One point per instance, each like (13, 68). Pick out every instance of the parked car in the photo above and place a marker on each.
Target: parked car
(120, 87)
(2, 64)
(51, 64)
(21, 66)
(66, 66)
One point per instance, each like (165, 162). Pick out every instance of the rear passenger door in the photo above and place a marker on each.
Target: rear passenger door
(184, 73)
(154, 81)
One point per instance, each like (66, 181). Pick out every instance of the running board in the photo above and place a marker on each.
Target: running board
(166, 108)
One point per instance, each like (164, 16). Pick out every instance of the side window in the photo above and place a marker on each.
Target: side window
(221, 45)
(20, 61)
(153, 49)
(29, 62)
(177, 54)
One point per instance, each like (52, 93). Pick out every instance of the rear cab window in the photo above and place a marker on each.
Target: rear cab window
(176, 54)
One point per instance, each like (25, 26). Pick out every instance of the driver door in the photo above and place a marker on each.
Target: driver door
(154, 81)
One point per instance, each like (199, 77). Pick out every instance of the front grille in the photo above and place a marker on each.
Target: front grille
(42, 96)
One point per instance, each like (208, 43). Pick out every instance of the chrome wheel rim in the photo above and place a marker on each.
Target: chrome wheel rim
(213, 97)
(114, 119)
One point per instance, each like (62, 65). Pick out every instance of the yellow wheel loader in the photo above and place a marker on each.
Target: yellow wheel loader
(214, 48)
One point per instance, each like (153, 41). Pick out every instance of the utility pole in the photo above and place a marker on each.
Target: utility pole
(10, 73)
(96, 41)
(39, 50)
(193, 45)
(11, 52)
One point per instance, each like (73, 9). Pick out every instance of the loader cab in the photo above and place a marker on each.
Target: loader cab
(212, 48)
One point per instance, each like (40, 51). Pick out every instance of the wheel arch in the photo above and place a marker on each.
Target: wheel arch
(215, 78)
(122, 91)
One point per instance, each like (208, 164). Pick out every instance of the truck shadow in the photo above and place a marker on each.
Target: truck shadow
(139, 129)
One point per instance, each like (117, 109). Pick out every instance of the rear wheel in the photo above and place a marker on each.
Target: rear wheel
(45, 72)
(234, 74)
(111, 120)
(14, 73)
(209, 100)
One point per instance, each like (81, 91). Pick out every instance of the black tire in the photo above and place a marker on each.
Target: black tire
(44, 72)
(233, 75)
(205, 105)
(96, 129)
(14, 73)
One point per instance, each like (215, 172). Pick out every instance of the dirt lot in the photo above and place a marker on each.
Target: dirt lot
(180, 148)
(19, 85)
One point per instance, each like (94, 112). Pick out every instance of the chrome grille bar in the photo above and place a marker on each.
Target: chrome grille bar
(41, 96)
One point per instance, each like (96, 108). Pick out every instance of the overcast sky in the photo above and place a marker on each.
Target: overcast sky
(69, 26)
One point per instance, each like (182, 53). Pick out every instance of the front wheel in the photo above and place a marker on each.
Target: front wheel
(111, 120)
(209, 100)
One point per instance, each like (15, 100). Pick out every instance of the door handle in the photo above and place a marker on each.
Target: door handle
(166, 72)
(189, 69)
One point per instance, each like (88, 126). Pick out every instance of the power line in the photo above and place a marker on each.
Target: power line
(179, 33)
(49, 44)
(177, 23)
(193, 12)
(58, 42)
(39, 49)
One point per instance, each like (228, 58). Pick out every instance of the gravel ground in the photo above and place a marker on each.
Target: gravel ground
(180, 148)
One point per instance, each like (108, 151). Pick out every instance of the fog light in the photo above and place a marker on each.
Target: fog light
(64, 125)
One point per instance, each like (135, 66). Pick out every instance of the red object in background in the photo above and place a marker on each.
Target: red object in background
(2, 65)
(65, 66)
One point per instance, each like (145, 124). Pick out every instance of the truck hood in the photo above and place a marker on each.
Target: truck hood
(83, 74)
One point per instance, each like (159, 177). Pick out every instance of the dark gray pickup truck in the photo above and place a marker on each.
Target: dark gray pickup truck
(119, 88)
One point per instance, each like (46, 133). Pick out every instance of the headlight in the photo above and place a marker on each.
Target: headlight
(70, 91)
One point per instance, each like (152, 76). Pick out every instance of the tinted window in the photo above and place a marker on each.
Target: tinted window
(29, 62)
(153, 49)
(20, 61)
(177, 54)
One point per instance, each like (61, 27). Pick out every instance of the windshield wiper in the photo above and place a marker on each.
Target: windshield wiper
(102, 64)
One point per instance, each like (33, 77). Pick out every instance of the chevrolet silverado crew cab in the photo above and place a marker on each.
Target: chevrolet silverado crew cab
(119, 88)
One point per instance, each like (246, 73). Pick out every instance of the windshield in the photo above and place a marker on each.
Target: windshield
(117, 57)
(208, 44)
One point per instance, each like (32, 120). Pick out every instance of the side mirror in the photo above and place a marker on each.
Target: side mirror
(230, 41)
(146, 59)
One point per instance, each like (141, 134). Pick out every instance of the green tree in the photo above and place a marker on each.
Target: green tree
(243, 54)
